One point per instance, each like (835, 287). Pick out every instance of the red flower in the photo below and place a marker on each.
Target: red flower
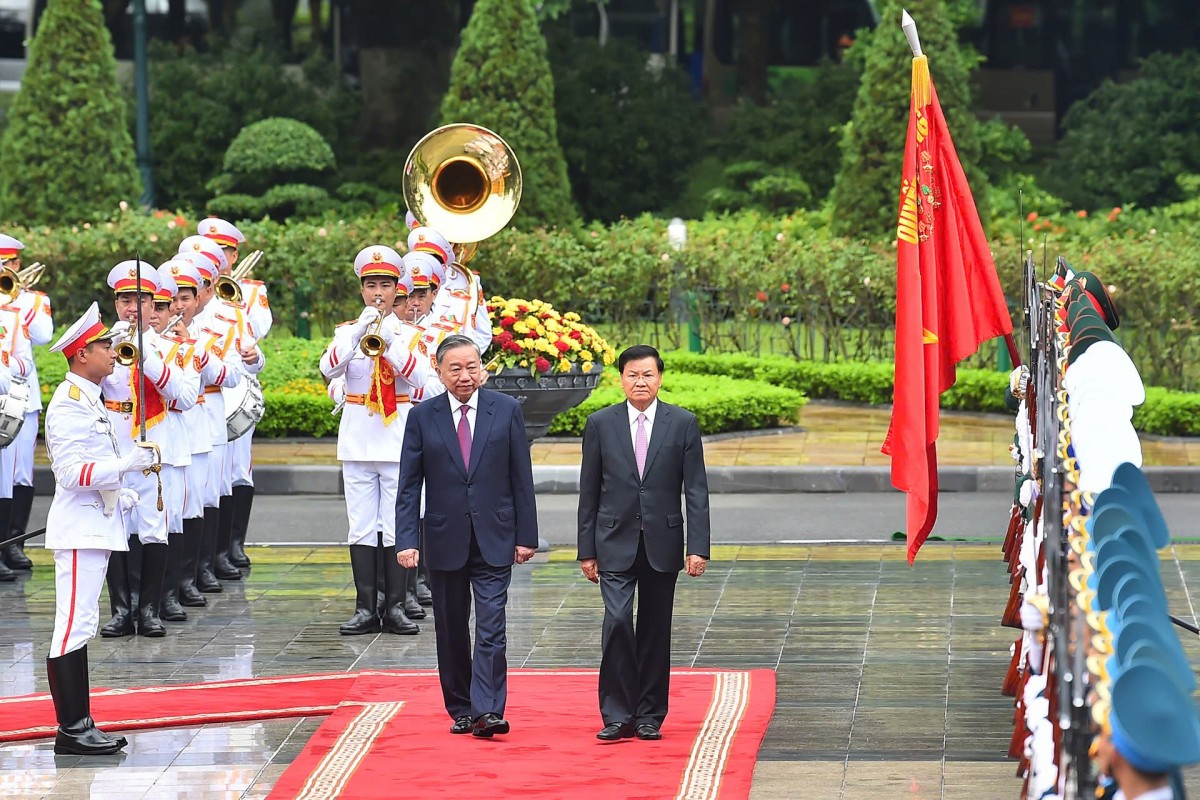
(762, 297)
(785, 287)
(523, 308)
(1031, 216)
(546, 315)
(505, 337)
(562, 346)
(180, 221)
(533, 334)
(512, 347)
(541, 365)
(576, 335)
(508, 322)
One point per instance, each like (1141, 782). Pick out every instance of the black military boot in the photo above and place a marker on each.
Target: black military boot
(365, 620)
(424, 596)
(243, 502)
(395, 618)
(193, 542)
(77, 732)
(154, 569)
(119, 597)
(22, 505)
(206, 581)
(223, 568)
(169, 609)
(412, 607)
(6, 574)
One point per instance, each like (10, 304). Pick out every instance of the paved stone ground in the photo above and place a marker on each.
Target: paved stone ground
(887, 675)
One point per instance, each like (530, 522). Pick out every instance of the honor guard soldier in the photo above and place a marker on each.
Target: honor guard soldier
(459, 306)
(16, 356)
(84, 525)
(380, 372)
(196, 272)
(253, 302)
(172, 435)
(37, 320)
(136, 396)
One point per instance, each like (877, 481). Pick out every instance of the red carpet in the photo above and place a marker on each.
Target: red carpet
(391, 734)
(388, 733)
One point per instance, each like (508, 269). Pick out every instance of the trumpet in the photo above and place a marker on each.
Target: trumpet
(228, 287)
(372, 344)
(172, 322)
(127, 353)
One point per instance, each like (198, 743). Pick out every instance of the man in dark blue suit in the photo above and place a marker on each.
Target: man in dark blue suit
(469, 448)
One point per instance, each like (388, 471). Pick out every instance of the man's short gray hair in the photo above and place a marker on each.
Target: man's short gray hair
(454, 342)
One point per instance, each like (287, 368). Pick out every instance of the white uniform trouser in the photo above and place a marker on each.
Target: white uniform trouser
(7, 468)
(145, 519)
(195, 477)
(23, 447)
(78, 576)
(174, 488)
(371, 500)
(241, 458)
(218, 483)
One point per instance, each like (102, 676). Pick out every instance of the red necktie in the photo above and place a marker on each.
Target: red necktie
(464, 436)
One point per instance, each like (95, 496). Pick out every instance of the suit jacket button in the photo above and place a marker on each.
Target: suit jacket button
(642, 490)
(639, 516)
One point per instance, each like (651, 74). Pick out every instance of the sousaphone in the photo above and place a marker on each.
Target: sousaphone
(464, 181)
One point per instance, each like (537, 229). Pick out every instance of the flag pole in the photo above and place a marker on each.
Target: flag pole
(921, 87)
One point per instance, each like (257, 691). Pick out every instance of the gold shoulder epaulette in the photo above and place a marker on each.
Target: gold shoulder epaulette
(74, 393)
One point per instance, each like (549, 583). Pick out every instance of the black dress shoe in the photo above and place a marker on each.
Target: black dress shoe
(648, 733)
(615, 731)
(463, 724)
(489, 725)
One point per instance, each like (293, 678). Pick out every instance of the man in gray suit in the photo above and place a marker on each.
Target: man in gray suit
(639, 458)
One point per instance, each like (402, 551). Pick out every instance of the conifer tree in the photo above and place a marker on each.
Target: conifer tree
(67, 152)
(501, 80)
(868, 182)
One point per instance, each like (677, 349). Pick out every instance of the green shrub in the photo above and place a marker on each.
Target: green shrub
(798, 131)
(721, 404)
(865, 192)
(67, 152)
(236, 206)
(200, 101)
(272, 150)
(629, 133)
(1126, 142)
(501, 80)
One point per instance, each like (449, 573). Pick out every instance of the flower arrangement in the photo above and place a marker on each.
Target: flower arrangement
(533, 335)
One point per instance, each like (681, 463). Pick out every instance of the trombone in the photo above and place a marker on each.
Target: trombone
(228, 287)
(12, 281)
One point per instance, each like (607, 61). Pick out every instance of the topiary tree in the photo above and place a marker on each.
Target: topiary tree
(867, 185)
(270, 168)
(501, 80)
(67, 152)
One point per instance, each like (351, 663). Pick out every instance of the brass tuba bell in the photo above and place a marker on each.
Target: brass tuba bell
(464, 181)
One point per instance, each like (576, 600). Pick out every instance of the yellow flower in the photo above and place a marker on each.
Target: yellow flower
(571, 316)
(564, 366)
(586, 355)
(520, 327)
(524, 362)
(497, 330)
(529, 344)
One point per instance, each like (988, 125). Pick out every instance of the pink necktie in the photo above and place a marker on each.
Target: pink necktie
(464, 436)
(640, 445)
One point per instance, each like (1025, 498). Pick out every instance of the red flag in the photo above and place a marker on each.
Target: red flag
(948, 299)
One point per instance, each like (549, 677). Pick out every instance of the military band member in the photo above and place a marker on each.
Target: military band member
(427, 273)
(180, 352)
(36, 317)
(131, 399)
(459, 305)
(84, 525)
(194, 278)
(257, 309)
(378, 390)
(16, 355)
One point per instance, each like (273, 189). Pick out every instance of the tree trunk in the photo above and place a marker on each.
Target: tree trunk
(284, 13)
(318, 34)
(176, 20)
(752, 49)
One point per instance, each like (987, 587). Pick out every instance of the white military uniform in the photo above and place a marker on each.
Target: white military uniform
(163, 383)
(369, 438)
(37, 318)
(83, 525)
(16, 355)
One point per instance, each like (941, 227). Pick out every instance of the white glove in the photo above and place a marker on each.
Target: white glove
(388, 333)
(138, 459)
(128, 498)
(367, 317)
(1031, 617)
(1018, 380)
(119, 330)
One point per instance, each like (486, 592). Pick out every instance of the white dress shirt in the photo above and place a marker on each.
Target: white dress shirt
(472, 405)
(633, 417)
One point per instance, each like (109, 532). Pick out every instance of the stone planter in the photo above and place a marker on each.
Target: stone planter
(543, 397)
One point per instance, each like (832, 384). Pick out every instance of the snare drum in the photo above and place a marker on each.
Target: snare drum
(244, 407)
(12, 411)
